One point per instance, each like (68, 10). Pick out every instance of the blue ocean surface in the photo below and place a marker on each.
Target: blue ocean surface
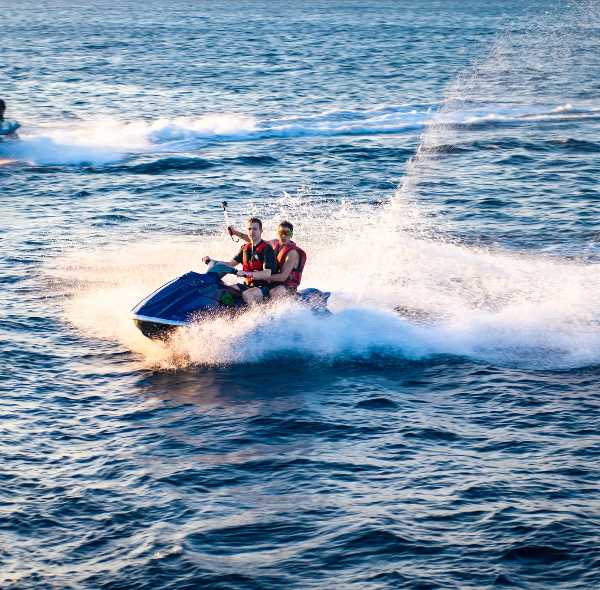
(440, 164)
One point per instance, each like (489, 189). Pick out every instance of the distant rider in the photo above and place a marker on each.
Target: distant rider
(258, 261)
(7, 127)
(290, 261)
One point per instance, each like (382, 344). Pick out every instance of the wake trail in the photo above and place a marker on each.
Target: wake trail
(109, 141)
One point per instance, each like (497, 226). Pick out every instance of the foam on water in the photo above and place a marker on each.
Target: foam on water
(43, 150)
(423, 296)
(107, 141)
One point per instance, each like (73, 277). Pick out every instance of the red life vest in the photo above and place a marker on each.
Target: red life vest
(250, 253)
(296, 275)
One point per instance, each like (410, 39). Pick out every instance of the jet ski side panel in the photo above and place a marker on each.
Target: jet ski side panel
(8, 128)
(191, 296)
(176, 300)
(182, 301)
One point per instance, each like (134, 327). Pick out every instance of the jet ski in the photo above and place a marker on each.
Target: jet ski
(194, 297)
(8, 131)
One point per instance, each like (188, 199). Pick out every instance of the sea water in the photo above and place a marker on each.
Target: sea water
(439, 162)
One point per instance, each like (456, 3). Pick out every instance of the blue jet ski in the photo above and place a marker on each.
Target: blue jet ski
(8, 130)
(194, 296)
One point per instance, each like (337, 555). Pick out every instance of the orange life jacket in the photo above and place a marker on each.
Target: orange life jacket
(250, 261)
(296, 275)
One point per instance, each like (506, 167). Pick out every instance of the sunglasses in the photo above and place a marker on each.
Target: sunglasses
(285, 232)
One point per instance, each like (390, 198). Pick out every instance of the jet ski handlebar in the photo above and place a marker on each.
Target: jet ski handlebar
(220, 268)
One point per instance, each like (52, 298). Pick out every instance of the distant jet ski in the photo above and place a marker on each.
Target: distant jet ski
(8, 130)
(195, 297)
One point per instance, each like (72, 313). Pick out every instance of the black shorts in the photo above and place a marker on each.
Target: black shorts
(243, 287)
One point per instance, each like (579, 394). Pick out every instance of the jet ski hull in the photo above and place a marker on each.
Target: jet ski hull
(193, 297)
(8, 131)
(155, 329)
(9, 138)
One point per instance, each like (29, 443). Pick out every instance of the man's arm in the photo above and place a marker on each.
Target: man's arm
(246, 237)
(239, 234)
(233, 262)
(268, 267)
(237, 259)
(291, 261)
(256, 274)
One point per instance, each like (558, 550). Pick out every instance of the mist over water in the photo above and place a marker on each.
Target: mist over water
(439, 163)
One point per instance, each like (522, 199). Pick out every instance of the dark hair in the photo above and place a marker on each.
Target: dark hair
(285, 223)
(255, 220)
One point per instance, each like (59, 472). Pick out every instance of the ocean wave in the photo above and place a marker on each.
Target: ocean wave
(109, 141)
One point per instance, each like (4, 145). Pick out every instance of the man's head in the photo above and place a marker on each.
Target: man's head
(2, 108)
(285, 231)
(254, 227)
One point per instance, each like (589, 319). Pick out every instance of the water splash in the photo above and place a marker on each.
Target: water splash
(424, 298)
(530, 63)
(109, 141)
(423, 292)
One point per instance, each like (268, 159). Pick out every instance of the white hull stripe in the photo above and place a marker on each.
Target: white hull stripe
(145, 318)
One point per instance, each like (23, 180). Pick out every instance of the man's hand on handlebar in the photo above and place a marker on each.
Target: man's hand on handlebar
(206, 259)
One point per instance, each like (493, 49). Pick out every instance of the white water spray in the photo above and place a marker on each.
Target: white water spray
(109, 141)
(427, 294)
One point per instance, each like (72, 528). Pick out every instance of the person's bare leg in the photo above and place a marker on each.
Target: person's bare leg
(253, 295)
(279, 292)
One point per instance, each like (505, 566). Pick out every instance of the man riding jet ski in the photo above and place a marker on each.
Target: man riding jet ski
(290, 261)
(195, 297)
(7, 128)
(258, 261)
